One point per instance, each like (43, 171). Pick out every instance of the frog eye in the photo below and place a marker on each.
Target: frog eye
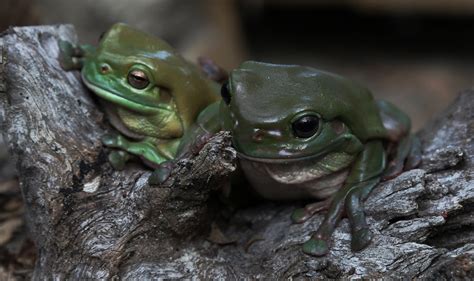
(225, 93)
(138, 79)
(306, 126)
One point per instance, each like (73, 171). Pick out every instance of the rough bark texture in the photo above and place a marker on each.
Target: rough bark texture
(89, 221)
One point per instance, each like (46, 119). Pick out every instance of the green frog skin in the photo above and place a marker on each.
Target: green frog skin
(301, 133)
(150, 94)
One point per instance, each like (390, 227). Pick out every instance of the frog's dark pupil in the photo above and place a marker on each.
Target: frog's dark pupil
(225, 93)
(306, 126)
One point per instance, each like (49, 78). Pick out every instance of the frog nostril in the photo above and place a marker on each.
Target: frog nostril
(258, 135)
(104, 68)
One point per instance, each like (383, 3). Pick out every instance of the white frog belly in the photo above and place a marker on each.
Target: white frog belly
(315, 178)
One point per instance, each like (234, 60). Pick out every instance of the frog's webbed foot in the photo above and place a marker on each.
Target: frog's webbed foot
(349, 201)
(318, 244)
(118, 159)
(407, 155)
(70, 55)
(162, 173)
(115, 141)
(144, 150)
(303, 214)
(364, 176)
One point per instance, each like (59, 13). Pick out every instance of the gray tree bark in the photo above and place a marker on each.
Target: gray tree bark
(89, 221)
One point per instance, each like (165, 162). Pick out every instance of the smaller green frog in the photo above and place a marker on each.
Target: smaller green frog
(302, 133)
(150, 94)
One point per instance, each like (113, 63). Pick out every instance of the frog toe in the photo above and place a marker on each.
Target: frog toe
(118, 159)
(160, 175)
(361, 238)
(110, 141)
(303, 214)
(316, 247)
(66, 49)
(414, 157)
(299, 216)
(69, 56)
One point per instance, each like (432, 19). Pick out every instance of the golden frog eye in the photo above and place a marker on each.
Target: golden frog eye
(138, 79)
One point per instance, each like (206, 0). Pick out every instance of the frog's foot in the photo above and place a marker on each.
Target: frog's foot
(406, 157)
(303, 214)
(318, 244)
(316, 247)
(114, 141)
(70, 55)
(347, 200)
(118, 159)
(162, 173)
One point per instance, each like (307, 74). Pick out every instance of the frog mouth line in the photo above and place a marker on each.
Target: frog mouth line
(306, 170)
(330, 147)
(122, 101)
(279, 160)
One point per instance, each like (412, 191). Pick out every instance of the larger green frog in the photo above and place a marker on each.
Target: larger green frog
(302, 133)
(150, 94)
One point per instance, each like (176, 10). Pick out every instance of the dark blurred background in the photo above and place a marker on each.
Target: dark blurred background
(416, 53)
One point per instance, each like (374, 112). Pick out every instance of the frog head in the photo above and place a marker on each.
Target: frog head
(289, 112)
(147, 80)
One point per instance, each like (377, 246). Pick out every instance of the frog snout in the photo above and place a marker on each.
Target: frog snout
(260, 135)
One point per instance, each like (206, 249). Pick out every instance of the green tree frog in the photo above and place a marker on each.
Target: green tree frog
(150, 94)
(302, 133)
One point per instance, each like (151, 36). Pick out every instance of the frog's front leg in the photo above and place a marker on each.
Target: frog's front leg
(72, 56)
(145, 149)
(364, 176)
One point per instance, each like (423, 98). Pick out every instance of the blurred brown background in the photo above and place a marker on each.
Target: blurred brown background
(417, 54)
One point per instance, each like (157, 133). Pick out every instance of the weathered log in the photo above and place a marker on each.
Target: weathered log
(89, 221)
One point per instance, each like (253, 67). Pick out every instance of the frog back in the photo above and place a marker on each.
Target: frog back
(296, 88)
